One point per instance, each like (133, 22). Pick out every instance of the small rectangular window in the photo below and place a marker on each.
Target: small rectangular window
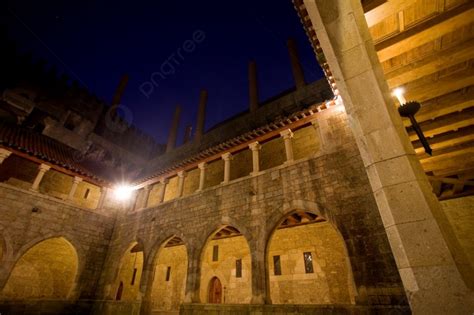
(134, 275)
(168, 273)
(215, 253)
(308, 262)
(238, 268)
(276, 266)
(86, 194)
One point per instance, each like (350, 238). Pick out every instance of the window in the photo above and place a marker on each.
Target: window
(238, 268)
(276, 266)
(308, 262)
(134, 276)
(168, 273)
(86, 194)
(215, 253)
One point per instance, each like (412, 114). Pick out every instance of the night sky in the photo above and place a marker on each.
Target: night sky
(95, 42)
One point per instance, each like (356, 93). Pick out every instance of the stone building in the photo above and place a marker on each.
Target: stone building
(315, 201)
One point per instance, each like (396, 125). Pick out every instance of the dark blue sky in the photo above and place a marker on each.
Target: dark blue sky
(96, 42)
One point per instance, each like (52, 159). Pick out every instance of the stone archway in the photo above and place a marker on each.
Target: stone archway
(307, 262)
(226, 256)
(129, 274)
(170, 272)
(47, 270)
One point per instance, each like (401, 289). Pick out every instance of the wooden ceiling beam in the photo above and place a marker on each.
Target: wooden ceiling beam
(457, 160)
(446, 140)
(444, 124)
(426, 31)
(440, 106)
(436, 62)
(437, 85)
(463, 147)
(389, 8)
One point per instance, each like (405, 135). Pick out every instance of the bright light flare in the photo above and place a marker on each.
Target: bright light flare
(123, 192)
(398, 93)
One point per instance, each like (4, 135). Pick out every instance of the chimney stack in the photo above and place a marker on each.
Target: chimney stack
(118, 94)
(187, 133)
(201, 116)
(174, 129)
(298, 74)
(253, 86)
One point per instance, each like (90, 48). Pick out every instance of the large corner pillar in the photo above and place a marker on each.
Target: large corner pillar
(181, 176)
(162, 189)
(255, 147)
(260, 280)
(42, 169)
(227, 157)
(287, 135)
(202, 175)
(3, 155)
(411, 214)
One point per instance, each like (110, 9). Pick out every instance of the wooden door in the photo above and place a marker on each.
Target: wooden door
(215, 291)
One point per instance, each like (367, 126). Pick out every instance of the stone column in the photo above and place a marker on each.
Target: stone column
(260, 281)
(287, 136)
(181, 177)
(255, 147)
(174, 129)
(202, 175)
(253, 87)
(162, 190)
(4, 154)
(103, 195)
(322, 141)
(75, 183)
(193, 279)
(143, 196)
(410, 212)
(227, 157)
(298, 73)
(42, 169)
(201, 116)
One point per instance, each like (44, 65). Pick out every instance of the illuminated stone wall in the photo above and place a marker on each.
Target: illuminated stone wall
(329, 282)
(168, 295)
(235, 290)
(45, 271)
(130, 261)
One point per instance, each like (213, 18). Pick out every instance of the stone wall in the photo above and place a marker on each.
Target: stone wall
(333, 185)
(235, 290)
(168, 295)
(28, 218)
(460, 213)
(129, 275)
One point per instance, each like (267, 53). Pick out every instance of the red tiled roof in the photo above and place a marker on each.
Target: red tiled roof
(49, 150)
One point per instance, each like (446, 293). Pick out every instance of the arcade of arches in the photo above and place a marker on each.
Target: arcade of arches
(307, 263)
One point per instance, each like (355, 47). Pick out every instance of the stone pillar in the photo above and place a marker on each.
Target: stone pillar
(287, 136)
(411, 214)
(201, 116)
(322, 141)
(255, 147)
(75, 183)
(193, 279)
(174, 129)
(202, 175)
(162, 190)
(253, 87)
(4, 154)
(296, 68)
(42, 169)
(103, 195)
(227, 157)
(181, 177)
(260, 281)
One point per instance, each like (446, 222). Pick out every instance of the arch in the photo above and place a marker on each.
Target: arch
(223, 248)
(169, 275)
(308, 263)
(215, 291)
(129, 272)
(47, 269)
